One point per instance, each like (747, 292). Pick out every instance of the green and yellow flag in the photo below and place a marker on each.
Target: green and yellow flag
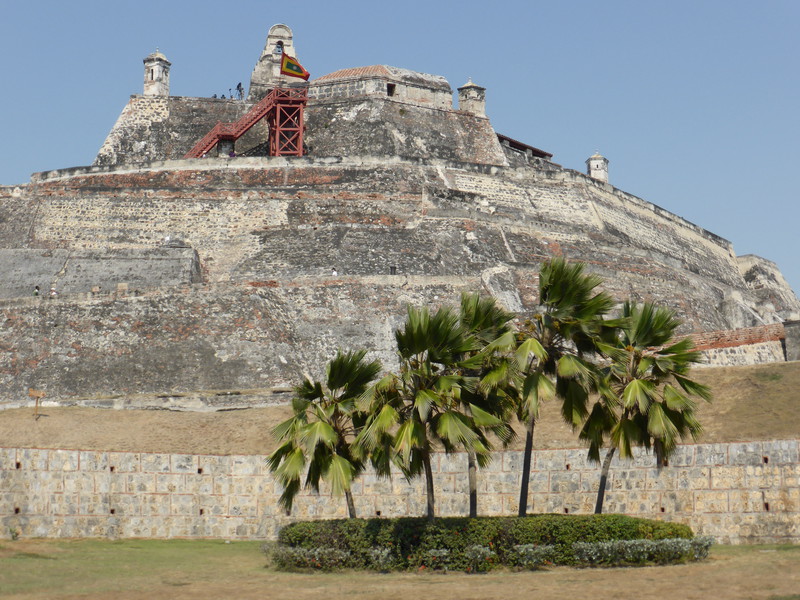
(292, 68)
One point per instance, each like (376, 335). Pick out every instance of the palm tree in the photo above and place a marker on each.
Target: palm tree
(646, 394)
(319, 436)
(551, 350)
(415, 410)
(485, 384)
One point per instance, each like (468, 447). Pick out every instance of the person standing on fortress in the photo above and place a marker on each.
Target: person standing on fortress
(53, 293)
(36, 290)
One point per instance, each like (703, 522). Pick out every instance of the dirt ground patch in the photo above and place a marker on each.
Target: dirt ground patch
(180, 569)
(750, 403)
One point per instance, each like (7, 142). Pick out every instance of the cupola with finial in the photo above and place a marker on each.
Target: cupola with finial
(472, 99)
(597, 167)
(156, 74)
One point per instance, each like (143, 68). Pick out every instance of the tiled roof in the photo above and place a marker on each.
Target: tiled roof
(372, 71)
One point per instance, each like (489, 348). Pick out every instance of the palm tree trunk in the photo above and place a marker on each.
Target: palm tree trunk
(426, 461)
(601, 491)
(526, 468)
(351, 506)
(473, 484)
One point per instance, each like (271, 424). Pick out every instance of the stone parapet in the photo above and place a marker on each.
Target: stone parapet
(737, 492)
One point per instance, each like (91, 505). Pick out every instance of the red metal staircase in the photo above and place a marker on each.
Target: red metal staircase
(283, 108)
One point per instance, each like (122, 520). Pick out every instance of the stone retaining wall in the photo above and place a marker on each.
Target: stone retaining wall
(747, 346)
(737, 492)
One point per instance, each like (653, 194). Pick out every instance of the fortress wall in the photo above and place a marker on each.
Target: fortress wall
(166, 127)
(152, 128)
(82, 271)
(388, 128)
(739, 337)
(197, 338)
(736, 492)
(264, 334)
(221, 213)
(253, 219)
(17, 214)
(749, 346)
(749, 354)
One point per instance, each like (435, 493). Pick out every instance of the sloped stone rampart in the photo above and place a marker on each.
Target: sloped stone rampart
(264, 334)
(266, 219)
(89, 349)
(737, 492)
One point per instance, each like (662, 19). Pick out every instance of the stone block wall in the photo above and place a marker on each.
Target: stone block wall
(400, 85)
(747, 346)
(737, 492)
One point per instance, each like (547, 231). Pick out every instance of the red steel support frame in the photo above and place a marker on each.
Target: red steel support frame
(286, 131)
(283, 109)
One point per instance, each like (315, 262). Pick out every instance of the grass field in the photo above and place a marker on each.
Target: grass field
(178, 569)
(757, 402)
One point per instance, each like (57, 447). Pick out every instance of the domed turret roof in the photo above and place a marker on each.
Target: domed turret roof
(157, 55)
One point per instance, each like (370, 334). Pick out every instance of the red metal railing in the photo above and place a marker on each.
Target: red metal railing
(283, 107)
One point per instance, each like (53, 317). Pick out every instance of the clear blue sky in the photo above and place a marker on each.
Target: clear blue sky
(695, 103)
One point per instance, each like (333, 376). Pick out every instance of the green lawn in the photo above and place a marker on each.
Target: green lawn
(178, 569)
(103, 567)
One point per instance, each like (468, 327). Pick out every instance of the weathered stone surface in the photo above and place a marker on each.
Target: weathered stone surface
(94, 271)
(735, 502)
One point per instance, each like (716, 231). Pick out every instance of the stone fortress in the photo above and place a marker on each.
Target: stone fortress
(216, 282)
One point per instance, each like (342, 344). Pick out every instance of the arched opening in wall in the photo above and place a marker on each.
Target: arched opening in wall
(766, 506)
(765, 459)
(16, 510)
(200, 471)
(112, 511)
(278, 49)
(18, 465)
(390, 89)
(566, 511)
(152, 74)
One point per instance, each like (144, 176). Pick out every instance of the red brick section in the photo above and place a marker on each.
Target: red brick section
(739, 337)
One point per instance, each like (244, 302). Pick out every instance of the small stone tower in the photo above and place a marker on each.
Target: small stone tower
(597, 167)
(267, 72)
(472, 99)
(156, 75)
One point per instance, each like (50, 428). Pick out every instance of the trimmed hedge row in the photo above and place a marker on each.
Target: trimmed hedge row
(460, 543)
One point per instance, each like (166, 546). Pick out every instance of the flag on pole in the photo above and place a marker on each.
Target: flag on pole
(292, 68)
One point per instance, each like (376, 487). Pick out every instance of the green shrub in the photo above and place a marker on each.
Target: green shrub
(700, 547)
(381, 559)
(289, 558)
(640, 552)
(531, 556)
(415, 542)
(479, 558)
